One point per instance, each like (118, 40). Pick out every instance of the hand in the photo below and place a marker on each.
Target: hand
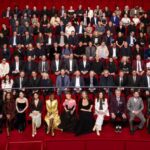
(8, 116)
(113, 115)
(1, 116)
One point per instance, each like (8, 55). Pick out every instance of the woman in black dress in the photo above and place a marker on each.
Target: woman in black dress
(21, 106)
(68, 117)
(86, 120)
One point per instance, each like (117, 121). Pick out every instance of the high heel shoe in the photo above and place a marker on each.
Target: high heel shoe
(98, 133)
(94, 128)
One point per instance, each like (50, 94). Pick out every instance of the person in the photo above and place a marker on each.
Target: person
(101, 109)
(9, 111)
(118, 110)
(1, 115)
(62, 82)
(68, 117)
(35, 113)
(52, 118)
(85, 122)
(148, 115)
(135, 107)
(21, 107)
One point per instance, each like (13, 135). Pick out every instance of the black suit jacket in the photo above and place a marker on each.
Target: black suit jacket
(33, 107)
(74, 65)
(53, 66)
(132, 83)
(82, 68)
(21, 66)
(73, 81)
(35, 82)
(33, 67)
(87, 81)
(123, 83)
(25, 82)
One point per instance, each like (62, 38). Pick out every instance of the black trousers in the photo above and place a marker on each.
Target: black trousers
(119, 120)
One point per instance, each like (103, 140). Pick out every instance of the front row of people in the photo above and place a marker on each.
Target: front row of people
(75, 116)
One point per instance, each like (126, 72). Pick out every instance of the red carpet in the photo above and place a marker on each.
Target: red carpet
(109, 140)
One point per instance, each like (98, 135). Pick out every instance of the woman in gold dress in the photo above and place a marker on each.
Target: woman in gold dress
(52, 118)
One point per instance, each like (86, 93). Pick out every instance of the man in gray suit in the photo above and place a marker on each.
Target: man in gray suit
(90, 51)
(62, 82)
(135, 106)
(43, 65)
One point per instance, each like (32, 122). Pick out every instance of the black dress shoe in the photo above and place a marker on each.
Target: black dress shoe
(132, 132)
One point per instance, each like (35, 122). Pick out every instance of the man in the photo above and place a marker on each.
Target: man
(56, 65)
(118, 110)
(34, 81)
(91, 81)
(90, 51)
(135, 106)
(43, 65)
(139, 65)
(77, 82)
(21, 82)
(71, 65)
(16, 66)
(30, 65)
(62, 82)
(84, 65)
(106, 80)
(134, 80)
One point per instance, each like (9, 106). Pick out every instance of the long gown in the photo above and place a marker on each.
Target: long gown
(21, 117)
(86, 121)
(52, 112)
(68, 119)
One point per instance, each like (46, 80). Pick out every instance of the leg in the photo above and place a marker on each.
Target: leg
(132, 116)
(143, 120)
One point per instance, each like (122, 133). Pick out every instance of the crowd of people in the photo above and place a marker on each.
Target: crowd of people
(54, 52)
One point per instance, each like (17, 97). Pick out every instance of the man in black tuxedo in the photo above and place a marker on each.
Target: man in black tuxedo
(34, 81)
(134, 80)
(56, 65)
(71, 65)
(84, 65)
(77, 82)
(20, 82)
(30, 66)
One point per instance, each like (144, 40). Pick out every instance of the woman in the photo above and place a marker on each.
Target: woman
(21, 107)
(9, 111)
(35, 113)
(7, 84)
(101, 109)
(86, 121)
(120, 40)
(125, 65)
(52, 118)
(68, 117)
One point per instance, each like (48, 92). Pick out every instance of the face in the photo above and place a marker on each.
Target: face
(118, 93)
(68, 96)
(21, 94)
(136, 94)
(8, 96)
(100, 95)
(84, 95)
(36, 96)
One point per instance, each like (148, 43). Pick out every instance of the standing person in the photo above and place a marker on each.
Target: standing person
(86, 121)
(52, 118)
(68, 117)
(101, 109)
(9, 111)
(118, 110)
(135, 106)
(21, 107)
(35, 113)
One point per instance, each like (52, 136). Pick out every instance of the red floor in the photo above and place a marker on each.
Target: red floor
(67, 141)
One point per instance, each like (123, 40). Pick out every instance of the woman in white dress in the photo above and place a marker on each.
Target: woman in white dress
(101, 110)
(35, 114)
